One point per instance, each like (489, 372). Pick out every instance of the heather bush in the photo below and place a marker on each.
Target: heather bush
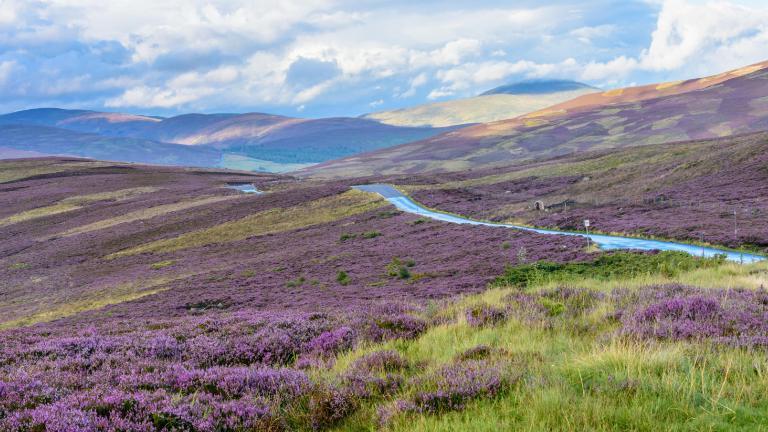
(451, 387)
(479, 352)
(332, 342)
(381, 362)
(328, 406)
(399, 326)
(485, 315)
(735, 317)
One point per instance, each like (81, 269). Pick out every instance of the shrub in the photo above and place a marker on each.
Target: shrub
(381, 361)
(675, 312)
(479, 352)
(371, 234)
(332, 342)
(299, 281)
(343, 278)
(399, 269)
(347, 236)
(451, 387)
(485, 315)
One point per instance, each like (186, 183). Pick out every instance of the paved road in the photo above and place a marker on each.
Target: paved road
(406, 204)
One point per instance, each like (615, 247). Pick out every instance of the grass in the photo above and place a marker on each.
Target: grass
(17, 170)
(74, 203)
(607, 267)
(271, 221)
(577, 376)
(162, 264)
(147, 213)
(95, 300)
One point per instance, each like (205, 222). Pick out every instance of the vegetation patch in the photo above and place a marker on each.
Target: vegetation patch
(612, 266)
(271, 221)
(148, 213)
(162, 264)
(74, 203)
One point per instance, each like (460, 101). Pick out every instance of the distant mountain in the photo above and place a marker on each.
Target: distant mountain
(730, 103)
(105, 123)
(245, 141)
(43, 140)
(498, 104)
(538, 87)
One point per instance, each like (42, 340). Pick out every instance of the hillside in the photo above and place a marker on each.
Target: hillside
(252, 141)
(730, 103)
(500, 103)
(55, 141)
(142, 296)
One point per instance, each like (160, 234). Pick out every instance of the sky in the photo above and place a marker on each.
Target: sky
(320, 58)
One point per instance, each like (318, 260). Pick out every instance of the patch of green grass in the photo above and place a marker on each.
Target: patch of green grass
(585, 380)
(74, 203)
(18, 266)
(400, 269)
(614, 266)
(299, 281)
(370, 234)
(343, 278)
(162, 264)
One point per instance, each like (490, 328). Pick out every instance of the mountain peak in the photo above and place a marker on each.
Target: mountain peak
(539, 86)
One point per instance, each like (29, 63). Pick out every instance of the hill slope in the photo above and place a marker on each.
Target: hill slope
(55, 141)
(500, 103)
(730, 103)
(247, 141)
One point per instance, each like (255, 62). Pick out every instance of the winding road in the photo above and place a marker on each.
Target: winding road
(406, 204)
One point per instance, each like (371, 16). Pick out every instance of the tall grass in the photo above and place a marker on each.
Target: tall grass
(576, 374)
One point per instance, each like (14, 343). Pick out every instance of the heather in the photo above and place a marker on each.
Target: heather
(55, 267)
(697, 191)
(361, 320)
(547, 356)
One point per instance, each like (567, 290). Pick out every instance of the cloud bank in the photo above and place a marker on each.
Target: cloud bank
(326, 57)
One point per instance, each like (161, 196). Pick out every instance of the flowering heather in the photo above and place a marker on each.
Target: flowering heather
(674, 312)
(485, 315)
(332, 342)
(711, 190)
(292, 269)
(451, 387)
(381, 361)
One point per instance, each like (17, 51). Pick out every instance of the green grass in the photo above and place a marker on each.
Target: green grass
(74, 203)
(576, 375)
(162, 264)
(615, 266)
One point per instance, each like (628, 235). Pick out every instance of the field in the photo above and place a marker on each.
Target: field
(157, 299)
(709, 191)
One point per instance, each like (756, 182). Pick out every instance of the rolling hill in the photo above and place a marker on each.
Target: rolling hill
(43, 140)
(730, 103)
(497, 104)
(252, 141)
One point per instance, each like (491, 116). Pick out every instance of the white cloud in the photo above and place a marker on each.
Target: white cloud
(694, 32)
(6, 69)
(587, 34)
(207, 54)
(613, 70)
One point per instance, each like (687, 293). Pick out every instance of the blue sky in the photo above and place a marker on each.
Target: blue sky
(316, 58)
